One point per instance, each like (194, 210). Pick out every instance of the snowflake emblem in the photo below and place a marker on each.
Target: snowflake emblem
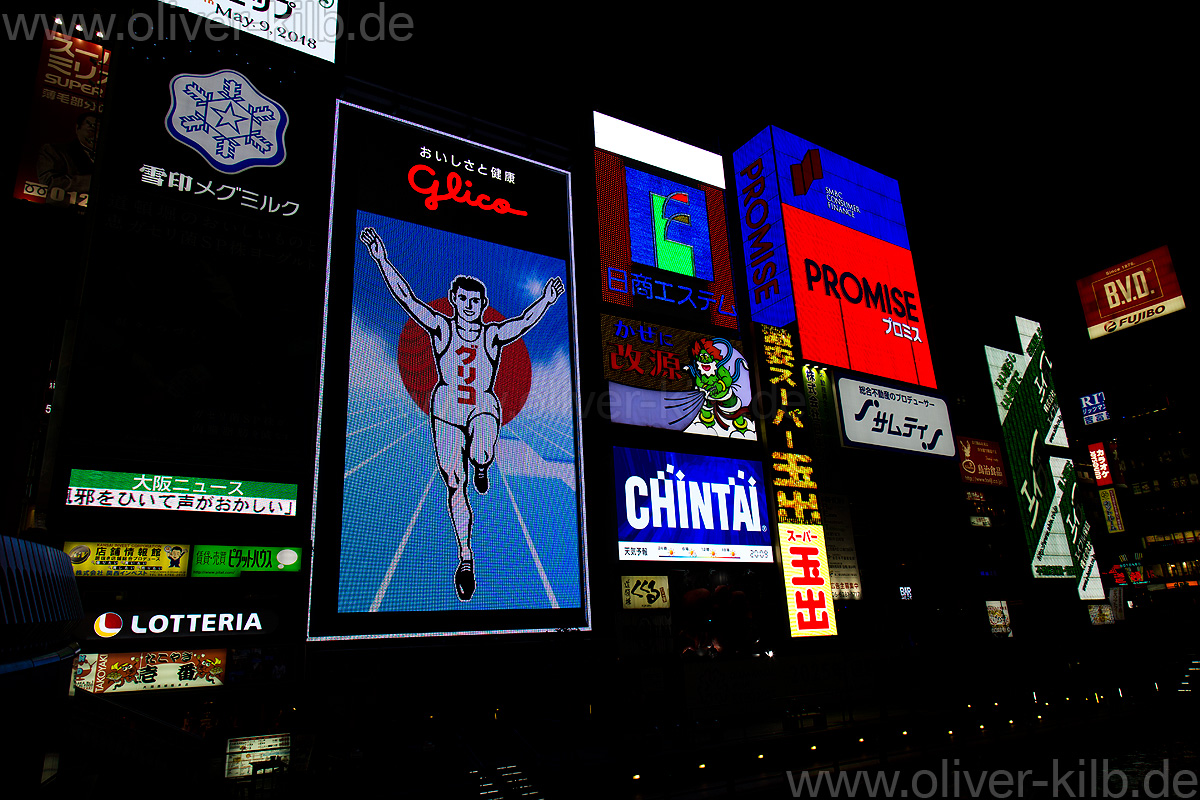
(223, 117)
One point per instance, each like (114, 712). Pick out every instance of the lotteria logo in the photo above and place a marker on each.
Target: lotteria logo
(674, 502)
(108, 624)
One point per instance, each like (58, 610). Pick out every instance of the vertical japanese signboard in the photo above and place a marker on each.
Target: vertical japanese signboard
(826, 248)
(1112, 510)
(805, 561)
(845, 582)
(663, 245)
(1139, 290)
(1100, 464)
(1056, 532)
(998, 619)
(56, 163)
(450, 476)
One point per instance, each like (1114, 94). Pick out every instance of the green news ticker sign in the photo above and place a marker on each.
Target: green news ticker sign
(229, 561)
(1056, 533)
(97, 488)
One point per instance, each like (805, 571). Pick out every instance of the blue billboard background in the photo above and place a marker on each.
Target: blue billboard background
(399, 550)
(744, 498)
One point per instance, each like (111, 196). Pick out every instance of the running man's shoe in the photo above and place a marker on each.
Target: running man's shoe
(481, 480)
(464, 580)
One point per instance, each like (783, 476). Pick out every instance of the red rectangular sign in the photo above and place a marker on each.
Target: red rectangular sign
(979, 461)
(856, 299)
(1130, 293)
(1100, 464)
(56, 164)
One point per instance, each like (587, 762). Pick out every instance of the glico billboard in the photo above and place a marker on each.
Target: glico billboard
(826, 247)
(1136, 291)
(449, 473)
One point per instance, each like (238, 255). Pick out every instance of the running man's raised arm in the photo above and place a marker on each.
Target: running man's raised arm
(515, 328)
(425, 316)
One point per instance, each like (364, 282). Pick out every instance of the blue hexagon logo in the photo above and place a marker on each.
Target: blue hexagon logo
(224, 118)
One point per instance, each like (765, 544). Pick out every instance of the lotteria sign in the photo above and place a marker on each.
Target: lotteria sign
(112, 625)
(826, 247)
(676, 506)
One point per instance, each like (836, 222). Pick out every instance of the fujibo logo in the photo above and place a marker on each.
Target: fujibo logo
(1134, 319)
(110, 624)
(674, 502)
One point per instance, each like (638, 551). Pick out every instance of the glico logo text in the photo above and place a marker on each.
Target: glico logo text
(661, 502)
(455, 185)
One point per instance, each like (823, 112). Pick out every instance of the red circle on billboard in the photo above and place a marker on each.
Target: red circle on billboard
(419, 372)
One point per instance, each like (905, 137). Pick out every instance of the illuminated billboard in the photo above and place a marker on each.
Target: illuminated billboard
(242, 752)
(171, 622)
(826, 247)
(449, 470)
(790, 433)
(1100, 464)
(665, 377)
(128, 559)
(980, 461)
(230, 561)
(56, 164)
(1057, 534)
(1136, 291)
(107, 673)
(644, 591)
(131, 490)
(1094, 408)
(845, 582)
(1112, 511)
(998, 619)
(884, 416)
(306, 26)
(663, 245)
(679, 507)
(806, 581)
